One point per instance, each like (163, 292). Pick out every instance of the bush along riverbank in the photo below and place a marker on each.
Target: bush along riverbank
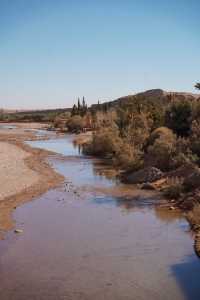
(166, 166)
(152, 138)
(156, 149)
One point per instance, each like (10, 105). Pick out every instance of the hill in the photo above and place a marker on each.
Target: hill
(154, 96)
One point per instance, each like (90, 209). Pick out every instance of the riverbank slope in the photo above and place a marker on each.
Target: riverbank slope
(24, 174)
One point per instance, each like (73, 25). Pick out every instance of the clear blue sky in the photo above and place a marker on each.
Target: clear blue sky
(52, 51)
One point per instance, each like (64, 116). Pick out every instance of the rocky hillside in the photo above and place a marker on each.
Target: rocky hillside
(157, 96)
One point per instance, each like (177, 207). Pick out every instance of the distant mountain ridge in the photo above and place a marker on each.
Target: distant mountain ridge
(155, 95)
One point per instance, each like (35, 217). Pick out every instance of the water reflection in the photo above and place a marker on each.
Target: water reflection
(187, 276)
(128, 203)
(77, 146)
(166, 215)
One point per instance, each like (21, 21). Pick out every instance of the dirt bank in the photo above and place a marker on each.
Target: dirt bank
(24, 173)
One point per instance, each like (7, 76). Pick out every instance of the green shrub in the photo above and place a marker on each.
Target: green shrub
(178, 117)
(195, 137)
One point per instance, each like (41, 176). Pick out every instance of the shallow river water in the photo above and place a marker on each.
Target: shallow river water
(81, 242)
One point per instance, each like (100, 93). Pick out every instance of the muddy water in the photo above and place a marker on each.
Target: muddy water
(83, 241)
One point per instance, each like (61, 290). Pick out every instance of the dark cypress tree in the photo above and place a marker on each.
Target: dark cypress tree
(197, 86)
(74, 110)
(79, 105)
(83, 102)
(84, 107)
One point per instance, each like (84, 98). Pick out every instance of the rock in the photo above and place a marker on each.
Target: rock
(160, 183)
(149, 174)
(172, 208)
(18, 231)
(147, 186)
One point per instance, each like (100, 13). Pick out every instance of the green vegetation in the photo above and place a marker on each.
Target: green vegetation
(150, 130)
(178, 117)
(153, 129)
(197, 86)
(41, 116)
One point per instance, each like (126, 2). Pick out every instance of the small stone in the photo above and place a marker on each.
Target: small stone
(18, 231)
(172, 208)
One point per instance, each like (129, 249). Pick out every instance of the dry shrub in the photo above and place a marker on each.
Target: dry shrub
(183, 154)
(75, 123)
(58, 122)
(137, 132)
(128, 157)
(161, 132)
(174, 188)
(161, 149)
(103, 119)
(105, 142)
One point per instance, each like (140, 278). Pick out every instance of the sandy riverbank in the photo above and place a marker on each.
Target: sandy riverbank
(24, 174)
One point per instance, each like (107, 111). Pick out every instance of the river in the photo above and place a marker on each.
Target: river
(87, 241)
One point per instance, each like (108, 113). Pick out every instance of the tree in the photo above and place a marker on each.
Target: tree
(1, 114)
(197, 86)
(74, 110)
(83, 102)
(79, 104)
(178, 117)
(83, 107)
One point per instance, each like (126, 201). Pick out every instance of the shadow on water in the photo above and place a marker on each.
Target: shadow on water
(187, 276)
(127, 203)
